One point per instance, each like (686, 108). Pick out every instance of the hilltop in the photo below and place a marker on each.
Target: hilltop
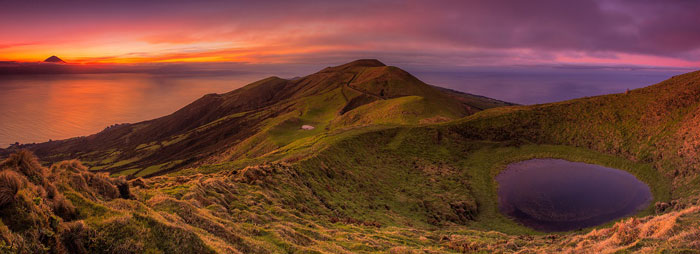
(392, 165)
(266, 115)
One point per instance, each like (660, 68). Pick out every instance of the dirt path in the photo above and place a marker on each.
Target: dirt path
(359, 91)
(347, 84)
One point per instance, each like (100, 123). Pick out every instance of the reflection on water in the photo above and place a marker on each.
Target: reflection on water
(42, 107)
(558, 195)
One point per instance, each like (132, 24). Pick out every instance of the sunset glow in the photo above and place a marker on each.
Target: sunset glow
(349, 126)
(455, 32)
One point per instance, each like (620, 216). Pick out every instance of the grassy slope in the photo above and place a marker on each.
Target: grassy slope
(261, 117)
(387, 190)
(654, 125)
(625, 131)
(397, 188)
(635, 132)
(476, 101)
(469, 166)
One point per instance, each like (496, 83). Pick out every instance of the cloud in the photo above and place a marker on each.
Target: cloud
(491, 32)
(17, 44)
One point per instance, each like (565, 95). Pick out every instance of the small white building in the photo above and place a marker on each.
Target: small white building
(307, 127)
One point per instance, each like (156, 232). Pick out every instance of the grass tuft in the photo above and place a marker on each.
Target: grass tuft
(64, 208)
(10, 183)
(26, 163)
(75, 237)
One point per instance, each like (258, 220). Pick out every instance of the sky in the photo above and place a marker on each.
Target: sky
(433, 34)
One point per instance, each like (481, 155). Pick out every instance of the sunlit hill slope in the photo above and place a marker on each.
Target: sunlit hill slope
(392, 166)
(262, 117)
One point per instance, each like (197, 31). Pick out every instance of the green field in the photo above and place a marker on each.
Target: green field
(393, 165)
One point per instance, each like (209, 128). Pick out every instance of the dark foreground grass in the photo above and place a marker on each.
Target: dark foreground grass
(400, 193)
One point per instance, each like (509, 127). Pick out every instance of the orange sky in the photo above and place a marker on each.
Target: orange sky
(441, 32)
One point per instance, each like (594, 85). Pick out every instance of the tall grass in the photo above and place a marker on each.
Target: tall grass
(26, 163)
(75, 237)
(10, 183)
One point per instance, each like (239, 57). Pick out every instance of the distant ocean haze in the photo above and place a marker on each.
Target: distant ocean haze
(537, 85)
(41, 107)
(36, 108)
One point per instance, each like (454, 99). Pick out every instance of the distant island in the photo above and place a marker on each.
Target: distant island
(54, 59)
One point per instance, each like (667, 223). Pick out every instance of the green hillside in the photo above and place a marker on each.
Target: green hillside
(260, 118)
(408, 170)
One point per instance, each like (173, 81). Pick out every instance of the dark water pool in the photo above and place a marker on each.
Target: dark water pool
(558, 195)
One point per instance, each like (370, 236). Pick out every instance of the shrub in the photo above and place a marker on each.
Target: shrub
(26, 163)
(123, 187)
(100, 183)
(78, 182)
(626, 231)
(255, 174)
(74, 237)
(64, 208)
(74, 166)
(10, 183)
(139, 182)
(51, 191)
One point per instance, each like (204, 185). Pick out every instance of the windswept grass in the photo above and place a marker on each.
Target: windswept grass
(375, 176)
(10, 183)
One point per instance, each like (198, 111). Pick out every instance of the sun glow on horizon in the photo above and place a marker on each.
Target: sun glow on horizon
(440, 34)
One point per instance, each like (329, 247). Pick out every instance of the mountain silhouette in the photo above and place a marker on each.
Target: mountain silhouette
(54, 59)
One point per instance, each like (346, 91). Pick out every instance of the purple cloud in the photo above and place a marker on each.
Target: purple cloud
(600, 29)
